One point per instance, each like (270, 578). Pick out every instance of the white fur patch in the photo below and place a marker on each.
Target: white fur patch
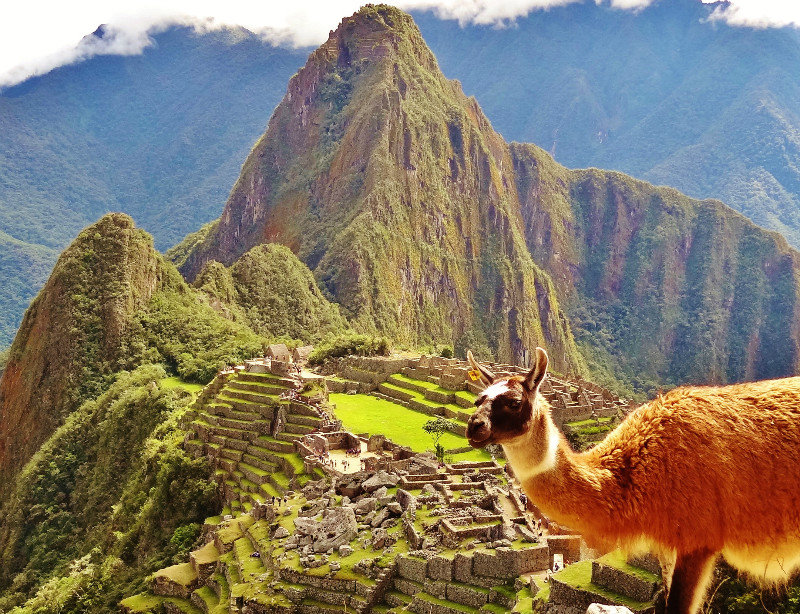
(767, 565)
(519, 456)
(497, 389)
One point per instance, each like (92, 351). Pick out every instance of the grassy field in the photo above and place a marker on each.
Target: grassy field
(362, 413)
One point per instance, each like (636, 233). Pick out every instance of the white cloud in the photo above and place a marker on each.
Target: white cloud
(759, 13)
(39, 35)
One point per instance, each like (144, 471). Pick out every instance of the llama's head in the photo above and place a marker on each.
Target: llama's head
(506, 407)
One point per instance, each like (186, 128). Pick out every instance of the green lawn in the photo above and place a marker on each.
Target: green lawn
(176, 382)
(362, 413)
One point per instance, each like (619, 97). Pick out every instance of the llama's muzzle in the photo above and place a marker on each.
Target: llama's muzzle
(478, 431)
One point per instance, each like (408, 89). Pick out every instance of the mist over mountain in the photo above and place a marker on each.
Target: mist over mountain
(662, 94)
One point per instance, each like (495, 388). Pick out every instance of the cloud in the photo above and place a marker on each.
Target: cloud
(758, 13)
(37, 36)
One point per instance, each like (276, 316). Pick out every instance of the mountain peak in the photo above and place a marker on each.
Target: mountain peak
(373, 33)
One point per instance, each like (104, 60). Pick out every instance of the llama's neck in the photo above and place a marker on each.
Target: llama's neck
(536, 452)
(572, 489)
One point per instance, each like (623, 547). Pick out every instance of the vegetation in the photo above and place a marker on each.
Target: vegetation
(339, 190)
(637, 286)
(274, 293)
(557, 79)
(436, 428)
(367, 414)
(128, 133)
(88, 520)
(729, 593)
(350, 345)
(4, 353)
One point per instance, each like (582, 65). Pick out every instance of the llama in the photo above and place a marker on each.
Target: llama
(697, 473)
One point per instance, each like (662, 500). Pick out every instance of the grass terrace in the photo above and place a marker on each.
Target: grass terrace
(176, 382)
(362, 413)
(579, 575)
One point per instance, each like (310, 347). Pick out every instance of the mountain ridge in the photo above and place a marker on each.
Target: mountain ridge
(440, 157)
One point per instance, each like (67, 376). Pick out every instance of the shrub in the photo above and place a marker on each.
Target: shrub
(350, 345)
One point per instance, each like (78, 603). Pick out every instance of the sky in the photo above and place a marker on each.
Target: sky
(39, 35)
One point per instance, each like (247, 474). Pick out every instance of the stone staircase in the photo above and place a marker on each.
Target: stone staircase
(248, 426)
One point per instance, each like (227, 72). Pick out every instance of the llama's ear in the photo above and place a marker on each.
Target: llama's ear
(486, 376)
(537, 373)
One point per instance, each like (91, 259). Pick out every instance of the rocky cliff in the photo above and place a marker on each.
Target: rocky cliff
(663, 288)
(70, 336)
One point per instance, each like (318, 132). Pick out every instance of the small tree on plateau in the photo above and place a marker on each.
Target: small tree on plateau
(437, 428)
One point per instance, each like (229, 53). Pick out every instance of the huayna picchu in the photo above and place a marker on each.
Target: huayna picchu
(178, 446)
(424, 225)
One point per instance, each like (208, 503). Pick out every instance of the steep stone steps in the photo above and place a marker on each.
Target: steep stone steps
(266, 378)
(300, 429)
(425, 603)
(230, 454)
(245, 416)
(300, 408)
(232, 423)
(256, 387)
(409, 383)
(254, 474)
(259, 462)
(439, 396)
(397, 392)
(312, 421)
(270, 444)
(234, 396)
(236, 433)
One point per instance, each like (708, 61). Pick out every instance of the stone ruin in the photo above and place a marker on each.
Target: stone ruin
(571, 399)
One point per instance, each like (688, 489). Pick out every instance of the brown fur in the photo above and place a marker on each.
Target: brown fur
(699, 472)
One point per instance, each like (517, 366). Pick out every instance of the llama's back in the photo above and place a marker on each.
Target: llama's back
(718, 468)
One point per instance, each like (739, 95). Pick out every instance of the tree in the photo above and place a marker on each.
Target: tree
(437, 428)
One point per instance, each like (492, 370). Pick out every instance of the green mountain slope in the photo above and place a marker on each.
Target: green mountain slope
(660, 287)
(662, 93)
(274, 293)
(108, 498)
(24, 268)
(160, 136)
(111, 303)
(420, 221)
(388, 183)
